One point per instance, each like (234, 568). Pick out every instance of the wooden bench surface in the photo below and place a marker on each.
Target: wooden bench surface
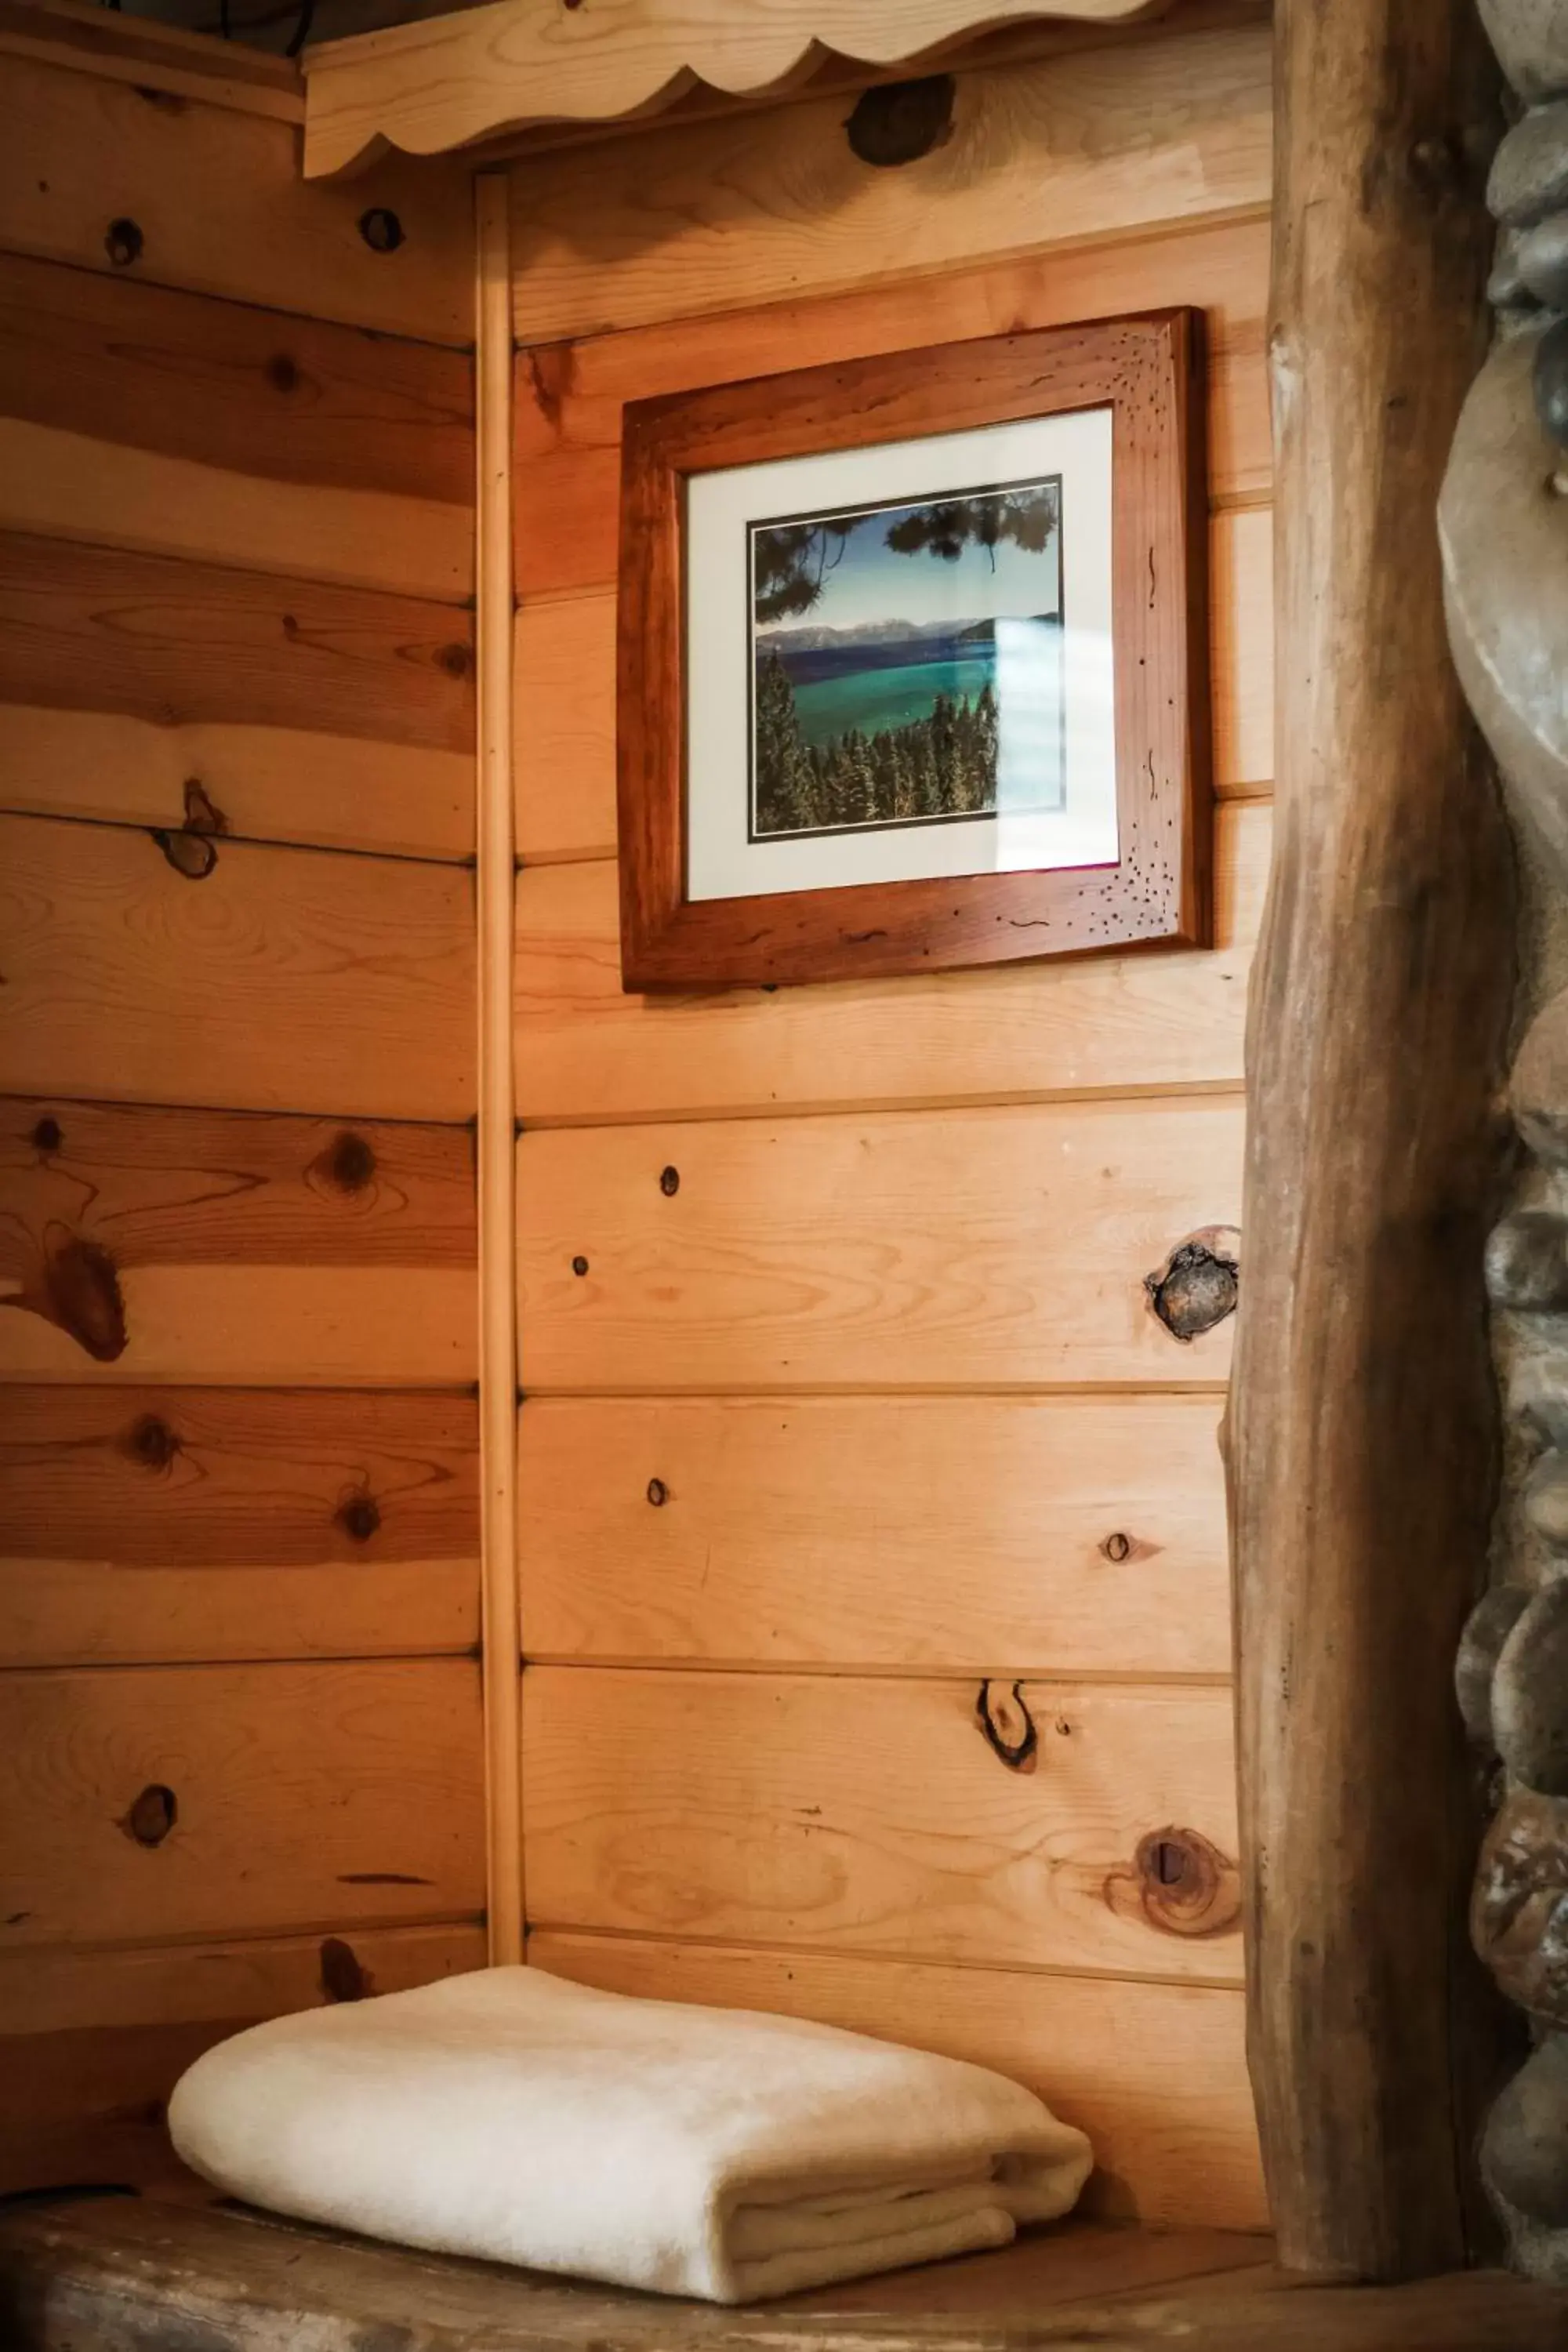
(125, 2275)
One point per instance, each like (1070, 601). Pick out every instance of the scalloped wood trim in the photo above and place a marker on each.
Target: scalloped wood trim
(92, 40)
(451, 80)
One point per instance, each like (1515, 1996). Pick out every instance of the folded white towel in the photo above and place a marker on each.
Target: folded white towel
(709, 2152)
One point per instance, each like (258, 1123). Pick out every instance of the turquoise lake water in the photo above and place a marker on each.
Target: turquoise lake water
(877, 699)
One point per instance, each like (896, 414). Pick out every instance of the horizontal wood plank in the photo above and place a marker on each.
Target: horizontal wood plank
(588, 1052)
(1156, 2075)
(1078, 1535)
(164, 1525)
(570, 396)
(221, 208)
(720, 215)
(564, 710)
(286, 979)
(926, 1250)
(315, 1797)
(89, 628)
(850, 1815)
(95, 2042)
(271, 783)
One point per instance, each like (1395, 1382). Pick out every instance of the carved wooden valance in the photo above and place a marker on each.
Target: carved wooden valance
(452, 80)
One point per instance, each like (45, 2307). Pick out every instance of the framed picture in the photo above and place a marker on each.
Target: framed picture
(912, 663)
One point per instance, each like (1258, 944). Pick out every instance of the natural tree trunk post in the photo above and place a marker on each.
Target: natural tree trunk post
(1362, 1429)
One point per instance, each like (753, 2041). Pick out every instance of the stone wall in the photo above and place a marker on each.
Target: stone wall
(1503, 521)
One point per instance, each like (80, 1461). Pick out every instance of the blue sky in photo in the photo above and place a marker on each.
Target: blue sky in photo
(873, 583)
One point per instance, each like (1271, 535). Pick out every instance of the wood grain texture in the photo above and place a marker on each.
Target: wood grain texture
(427, 87)
(588, 1052)
(89, 628)
(571, 393)
(106, 2276)
(1361, 1438)
(992, 1247)
(1155, 2074)
(316, 1797)
(730, 213)
(221, 207)
(174, 1244)
(1082, 1536)
(285, 980)
(165, 1525)
(155, 57)
(873, 1817)
(272, 783)
(1148, 370)
(95, 2042)
(564, 751)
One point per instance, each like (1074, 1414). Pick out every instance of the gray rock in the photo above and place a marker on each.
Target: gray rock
(1549, 381)
(1541, 258)
(1524, 2148)
(1538, 1084)
(1530, 170)
(1544, 1501)
(1505, 571)
(1527, 1262)
(1490, 1623)
(1518, 1905)
(1538, 1399)
(1506, 289)
(1531, 38)
(1529, 1694)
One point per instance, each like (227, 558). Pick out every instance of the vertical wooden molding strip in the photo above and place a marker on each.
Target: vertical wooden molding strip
(1362, 1443)
(497, 1154)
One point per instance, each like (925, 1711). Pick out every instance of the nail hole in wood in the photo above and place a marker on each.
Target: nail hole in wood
(902, 121)
(123, 242)
(658, 1493)
(359, 1516)
(344, 1978)
(380, 229)
(670, 1182)
(579, 1265)
(1008, 1726)
(151, 1442)
(152, 1815)
(46, 1136)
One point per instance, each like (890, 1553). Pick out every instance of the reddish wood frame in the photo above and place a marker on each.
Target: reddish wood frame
(1148, 370)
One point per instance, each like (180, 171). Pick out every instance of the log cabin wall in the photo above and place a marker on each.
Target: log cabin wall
(241, 1764)
(846, 1419)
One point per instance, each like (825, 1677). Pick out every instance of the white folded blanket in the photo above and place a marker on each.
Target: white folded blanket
(711, 2152)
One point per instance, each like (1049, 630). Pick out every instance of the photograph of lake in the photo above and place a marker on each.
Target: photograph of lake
(908, 663)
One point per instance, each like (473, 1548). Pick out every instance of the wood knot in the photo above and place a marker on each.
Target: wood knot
(123, 242)
(380, 229)
(203, 813)
(77, 1288)
(670, 1182)
(151, 1816)
(1198, 1284)
(151, 1442)
(46, 1136)
(359, 1516)
(192, 855)
(1117, 1546)
(1178, 1883)
(348, 1162)
(658, 1493)
(579, 1266)
(343, 1976)
(1008, 1726)
(282, 373)
(902, 121)
(455, 659)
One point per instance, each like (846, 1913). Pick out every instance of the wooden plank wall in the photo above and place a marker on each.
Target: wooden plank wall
(859, 1412)
(241, 1766)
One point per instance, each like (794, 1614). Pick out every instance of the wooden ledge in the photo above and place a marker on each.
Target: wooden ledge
(87, 39)
(121, 2274)
(450, 81)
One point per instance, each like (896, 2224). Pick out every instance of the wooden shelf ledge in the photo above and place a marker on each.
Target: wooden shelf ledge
(123, 2274)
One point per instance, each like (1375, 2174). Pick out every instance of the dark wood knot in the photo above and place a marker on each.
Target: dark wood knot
(1008, 1727)
(658, 1493)
(152, 1815)
(79, 1292)
(191, 854)
(359, 1516)
(282, 373)
(203, 813)
(455, 659)
(380, 229)
(670, 1182)
(349, 1162)
(46, 1136)
(1183, 1885)
(902, 121)
(151, 1442)
(1198, 1284)
(1117, 1546)
(344, 1976)
(123, 242)
(579, 1265)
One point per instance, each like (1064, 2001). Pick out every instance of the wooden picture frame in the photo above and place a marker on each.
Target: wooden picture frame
(1147, 371)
